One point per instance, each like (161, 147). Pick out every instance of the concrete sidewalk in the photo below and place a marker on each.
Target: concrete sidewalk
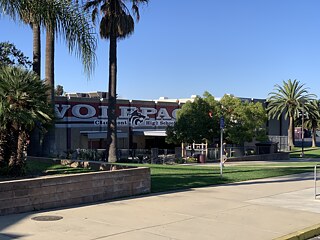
(259, 209)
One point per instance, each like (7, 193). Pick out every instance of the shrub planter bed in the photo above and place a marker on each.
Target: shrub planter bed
(32, 194)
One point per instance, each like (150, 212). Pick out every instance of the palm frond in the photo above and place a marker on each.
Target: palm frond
(288, 98)
(23, 99)
(116, 19)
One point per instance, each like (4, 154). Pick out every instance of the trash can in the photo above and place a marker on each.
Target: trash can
(202, 158)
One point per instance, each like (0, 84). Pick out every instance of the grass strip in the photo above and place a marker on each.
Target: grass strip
(308, 152)
(177, 177)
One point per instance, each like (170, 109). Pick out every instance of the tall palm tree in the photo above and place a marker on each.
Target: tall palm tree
(11, 7)
(116, 23)
(65, 19)
(23, 104)
(313, 120)
(68, 21)
(29, 14)
(288, 99)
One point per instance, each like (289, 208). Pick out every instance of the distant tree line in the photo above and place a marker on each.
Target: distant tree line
(199, 121)
(245, 120)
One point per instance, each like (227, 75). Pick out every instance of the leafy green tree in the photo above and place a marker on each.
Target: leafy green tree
(59, 90)
(193, 124)
(313, 119)
(215, 106)
(11, 56)
(244, 120)
(288, 99)
(23, 105)
(200, 120)
(116, 23)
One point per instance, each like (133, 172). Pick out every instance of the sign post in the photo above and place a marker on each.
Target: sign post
(221, 143)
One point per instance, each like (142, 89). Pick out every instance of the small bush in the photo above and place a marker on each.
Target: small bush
(179, 160)
(191, 160)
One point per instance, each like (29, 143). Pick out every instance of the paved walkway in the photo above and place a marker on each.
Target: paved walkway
(259, 209)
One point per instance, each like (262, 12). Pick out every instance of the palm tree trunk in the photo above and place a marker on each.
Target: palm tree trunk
(5, 150)
(36, 49)
(3, 144)
(49, 138)
(13, 166)
(314, 137)
(21, 148)
(50, 63)
(34, 148)
(290, 135)
(17, 161)
(112, 100)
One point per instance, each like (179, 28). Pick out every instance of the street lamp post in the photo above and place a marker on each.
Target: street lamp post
(221, 143)
(302, 132)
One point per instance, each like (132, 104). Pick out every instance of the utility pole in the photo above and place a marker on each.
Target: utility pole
(302, 133)
(221, 143)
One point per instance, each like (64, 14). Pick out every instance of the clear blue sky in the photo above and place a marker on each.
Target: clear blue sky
(182, 48)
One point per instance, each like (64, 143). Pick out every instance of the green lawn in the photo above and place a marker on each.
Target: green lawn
(308, 152)
(175, 177)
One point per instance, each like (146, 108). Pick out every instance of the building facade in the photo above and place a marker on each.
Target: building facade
(81, 122)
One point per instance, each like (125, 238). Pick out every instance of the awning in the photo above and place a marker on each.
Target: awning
(153, 133)
(101, 134)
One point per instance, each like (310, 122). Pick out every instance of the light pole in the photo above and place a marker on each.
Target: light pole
(302, 133)
(221, 143)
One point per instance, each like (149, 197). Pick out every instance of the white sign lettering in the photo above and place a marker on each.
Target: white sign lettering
(163, 114)
(104, 111)
(91, 111)
(129, 116)
(146, 111)
(125, 112)
(64, 108)
(174, 113)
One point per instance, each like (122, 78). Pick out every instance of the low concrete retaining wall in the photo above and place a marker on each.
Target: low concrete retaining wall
(262, 157)
(68, 190)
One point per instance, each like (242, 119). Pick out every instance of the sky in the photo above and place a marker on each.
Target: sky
(184, 48)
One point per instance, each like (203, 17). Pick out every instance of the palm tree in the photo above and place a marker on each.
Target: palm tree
(10, 7)
(116, 23)
(312, 120)
(23, 104)
(63, 17)
(66, 19)
(60, 17)
(288, 99)
(28, 13)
